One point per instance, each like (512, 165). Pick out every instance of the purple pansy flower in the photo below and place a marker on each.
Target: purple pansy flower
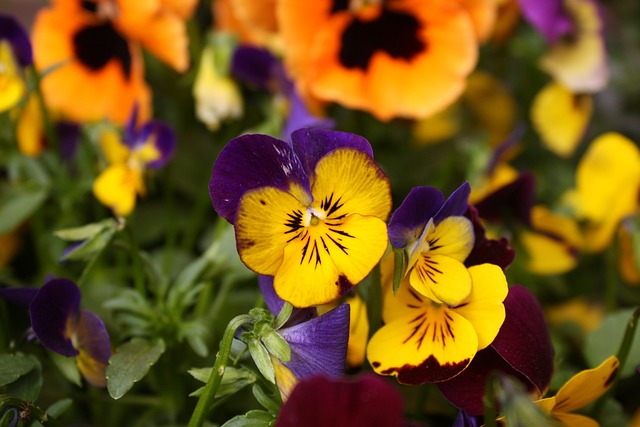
(436, 238)
(310, 212)
(61, 327)
(15, 54)
(549, 17)
(318, 343)
(153, 133)
(258, 67)
(521, 349)
(364, 401)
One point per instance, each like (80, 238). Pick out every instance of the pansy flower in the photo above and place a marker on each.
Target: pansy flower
(15, 54)
(150, 146)
(390, 58)
(342, 402)
(311, 212)
(318, 343)
(91, 50)
(423, 341)
(253, 21)
(581, 389)
(61, 327)
(577, 57)
(437, 238)
(607, 183)
(522, 349)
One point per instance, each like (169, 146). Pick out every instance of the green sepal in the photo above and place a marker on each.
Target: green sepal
(260, 356)
(398, 269)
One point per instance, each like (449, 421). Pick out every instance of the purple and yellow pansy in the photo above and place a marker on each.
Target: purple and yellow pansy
(310, 212)
(15, 54)
(423, 341)
(150, 146)
(61, 327)
(436, 238)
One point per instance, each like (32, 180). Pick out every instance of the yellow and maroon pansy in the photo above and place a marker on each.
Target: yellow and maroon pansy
(310, 212)
(423, 341)
(607, 183)
(581, 389)
(396, 58)
(253, 21)
(436, 238)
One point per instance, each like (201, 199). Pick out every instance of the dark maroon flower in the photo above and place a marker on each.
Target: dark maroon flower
(320, 402)
(492, 251)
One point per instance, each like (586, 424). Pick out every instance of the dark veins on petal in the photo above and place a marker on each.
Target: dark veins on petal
(96, 45)
(395, 33)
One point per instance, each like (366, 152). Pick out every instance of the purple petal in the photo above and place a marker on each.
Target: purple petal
(19, 296)
(14, 420)
(505, 146)
(129, 137)
(466, 420)
(413, 214)
(300, 117)
(319, 346)
(94, 346)
(274, 303)
(252, 161)
(163, 138)
(549, 17)
(53, 310)
(485, 250)
(516, 198)
(255, 66)
(522, 349)
(365, 401)
(456, 204)
(312, 144)
(12, 31)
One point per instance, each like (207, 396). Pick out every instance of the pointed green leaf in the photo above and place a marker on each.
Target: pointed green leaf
(398, 271)
(68, 367)
(255, 418)
(85, 231)
(233, 380)
(261, 357)
(17, 205)
(130, 364)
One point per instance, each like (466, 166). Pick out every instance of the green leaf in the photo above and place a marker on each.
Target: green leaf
(13, 367)
(267, 401)
(277, 346)
(86, 231)
(28, 386)
(68, 367)
(261, 357)
(18, 204)
(284, 315)
(233, 380)
(59, 407)
(91, 246)
(255, 418)
(130, 364)
(605, 341)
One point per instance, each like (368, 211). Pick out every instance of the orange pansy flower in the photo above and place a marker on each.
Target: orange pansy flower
(394, 58)
(90, 52)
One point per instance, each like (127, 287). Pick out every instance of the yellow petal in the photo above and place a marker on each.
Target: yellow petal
(561, 117)
(112, 147)
(483, 308)
(547, 256)
(575, 420)
(29, 131)
(441, 279)
(502, 175)
(434, 345)
(12, 87)
(358, 331)
(354, 182)
(326, 260)
(266, 219)
(452, 237)
(285, 379)
(116, 187)
(586, 386)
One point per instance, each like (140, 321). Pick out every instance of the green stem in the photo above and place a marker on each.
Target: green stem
(374, 301)
(489, 401)
(137, 261)
(622, 355)
(206, 398)
(611, 286)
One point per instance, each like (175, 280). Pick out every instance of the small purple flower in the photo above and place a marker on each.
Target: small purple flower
(155, 134)
(549, 17)
(318, 343)
(521, 349)
(61, 327)
(364, 401)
